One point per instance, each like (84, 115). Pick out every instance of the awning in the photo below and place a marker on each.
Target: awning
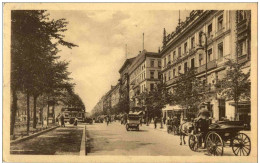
(173, 108)
(136, 113)
(241, 103)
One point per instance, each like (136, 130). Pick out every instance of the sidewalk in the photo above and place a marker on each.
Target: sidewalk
(59, 141)
(20, 131)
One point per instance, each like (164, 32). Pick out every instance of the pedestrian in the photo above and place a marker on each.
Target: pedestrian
(164, 119)
(75, 121)
(62, 120)
(107, 120)
(155, 122)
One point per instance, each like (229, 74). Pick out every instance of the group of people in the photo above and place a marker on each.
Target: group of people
(60, 120)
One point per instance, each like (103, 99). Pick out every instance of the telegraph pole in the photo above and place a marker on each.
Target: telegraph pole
(125, 51)
(143, 41)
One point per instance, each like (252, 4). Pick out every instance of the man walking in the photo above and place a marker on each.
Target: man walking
(62, 120)
(155, 122)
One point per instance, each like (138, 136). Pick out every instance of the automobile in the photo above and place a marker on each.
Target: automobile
(89, 120)
(133, 122)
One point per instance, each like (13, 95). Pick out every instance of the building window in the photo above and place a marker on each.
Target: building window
(242, 48)
(209, 55)
(151, 86)
(165, 62)
(179, 52)
(220, 50)
(159, 76)
(220, 22)
(152, 63)
(210, 30)
(185, 48)
(192, 63)
(152, 74)
(159, 63)
(179, 69)
(144, 75)
(173, 73)
(200, 59)
(185, 67)
(192, 42)
(174, 55)
(164, 77)
(241, 15)
(169, 59)
(200, 38)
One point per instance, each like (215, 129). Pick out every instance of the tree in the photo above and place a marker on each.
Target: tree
(235, 85)
(34, 41)
(154, 100)
(188, 92)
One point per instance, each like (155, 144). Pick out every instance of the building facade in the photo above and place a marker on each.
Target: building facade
(144, 74)
(124, 85)
(204, 41)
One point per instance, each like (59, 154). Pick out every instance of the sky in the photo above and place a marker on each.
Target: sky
(102, 37)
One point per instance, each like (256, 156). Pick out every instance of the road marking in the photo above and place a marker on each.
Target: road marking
(83, 143)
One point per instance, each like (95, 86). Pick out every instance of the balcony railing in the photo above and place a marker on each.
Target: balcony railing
(171, 81)
(210, 65)
(220, 31)
(242, 58)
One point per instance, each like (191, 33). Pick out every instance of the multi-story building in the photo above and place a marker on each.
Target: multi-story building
(98, 108)
(144, 73)
(115, 96)
(185, 49)
(124, 84)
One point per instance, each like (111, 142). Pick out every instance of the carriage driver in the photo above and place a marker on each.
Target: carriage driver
(202, 123)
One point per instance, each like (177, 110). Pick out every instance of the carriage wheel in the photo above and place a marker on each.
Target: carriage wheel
(214, 144)
(241, 145)
(193, 142)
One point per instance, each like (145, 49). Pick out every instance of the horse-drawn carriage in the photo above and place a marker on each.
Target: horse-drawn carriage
(218, 135)
(173, 125)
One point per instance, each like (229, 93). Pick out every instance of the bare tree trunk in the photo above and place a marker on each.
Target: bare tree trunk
(28, 113)
(48, 108)
(236, 110)
(13, 111)
(34, 110)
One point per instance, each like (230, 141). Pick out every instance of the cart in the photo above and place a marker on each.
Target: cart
(219, 135)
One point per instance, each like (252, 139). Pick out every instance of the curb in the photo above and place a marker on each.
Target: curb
(83, 143)
(32, 136)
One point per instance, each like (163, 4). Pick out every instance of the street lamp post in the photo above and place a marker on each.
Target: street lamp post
(206, 65)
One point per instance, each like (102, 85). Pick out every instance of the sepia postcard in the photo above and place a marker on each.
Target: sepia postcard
(130, 82)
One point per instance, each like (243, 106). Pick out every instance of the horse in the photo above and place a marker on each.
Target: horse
(184, 130)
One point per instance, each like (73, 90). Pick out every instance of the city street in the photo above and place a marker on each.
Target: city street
(108, 140)
(115, 140)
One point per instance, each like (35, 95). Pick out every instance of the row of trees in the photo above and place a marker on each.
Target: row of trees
(190, 92)
(36, 68)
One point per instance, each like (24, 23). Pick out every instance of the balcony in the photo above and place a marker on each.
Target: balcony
(171, 81)
(242, 58)
(242, 26)
(220, 31)
(210, 65)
